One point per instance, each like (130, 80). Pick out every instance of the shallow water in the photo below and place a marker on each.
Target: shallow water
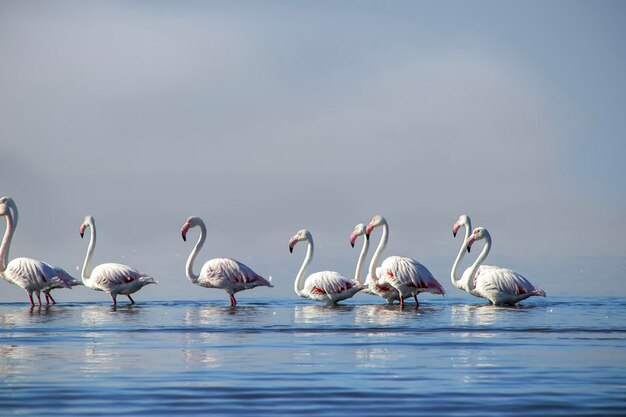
(554, 356)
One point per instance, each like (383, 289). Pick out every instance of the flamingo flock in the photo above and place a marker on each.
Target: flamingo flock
(397, 277)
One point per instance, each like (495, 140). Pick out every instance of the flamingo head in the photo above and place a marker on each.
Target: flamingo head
(192, 221)
(302, 235)
(4, 206)
(478, 234)
(463, 220)
(88, 221)
(376, 221)
(359, 230)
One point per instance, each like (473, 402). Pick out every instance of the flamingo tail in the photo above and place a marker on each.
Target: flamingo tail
(539, 292)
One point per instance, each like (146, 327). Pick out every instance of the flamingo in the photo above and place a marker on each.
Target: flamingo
(111, 278)
(31, 275)
(407, 276)
(500, 286)
(326, 286)
(359, 230)
(227, 274)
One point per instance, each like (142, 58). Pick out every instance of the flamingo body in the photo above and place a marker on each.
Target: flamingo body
(501, 286)
(114, 279)
(330, 287)
(229, 275)
(408, 277)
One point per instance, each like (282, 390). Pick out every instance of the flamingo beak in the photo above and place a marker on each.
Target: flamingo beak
(368, 230)
(183, 232)
(469, 243)
(352, 239)
(82, 231)
(292, 243)
(455, 229)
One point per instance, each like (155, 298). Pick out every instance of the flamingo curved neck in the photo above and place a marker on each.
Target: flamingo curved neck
(359, 264)
(459, 257)
(6, 242)
(481, 258)
(86, 273)
(299, 283)
(192, 256)
(379, 251)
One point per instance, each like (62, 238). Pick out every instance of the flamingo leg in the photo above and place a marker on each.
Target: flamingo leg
(49, 298)
(233, 302)
(39, 298)
(417, 303)
(401, 301)
(30, 296)
(114, 297)
(130, 298)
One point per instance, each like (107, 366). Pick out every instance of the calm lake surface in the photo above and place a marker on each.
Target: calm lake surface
(554, 356)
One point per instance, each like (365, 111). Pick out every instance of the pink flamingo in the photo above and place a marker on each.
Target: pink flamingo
(31, 275)
(111, 278)
(327, 286)
(407, 276)
(500, 286)
(227, 274)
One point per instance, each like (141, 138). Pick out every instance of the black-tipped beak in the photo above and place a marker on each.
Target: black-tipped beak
(290, 249)
(453, 233)
(367, 236)
(352, 244)
(82, 234)
(468, 249)
(184, 237)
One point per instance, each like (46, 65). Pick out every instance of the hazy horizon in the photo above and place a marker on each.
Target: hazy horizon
(266, 118)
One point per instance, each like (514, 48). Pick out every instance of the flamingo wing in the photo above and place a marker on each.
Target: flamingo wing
(327, 283)
(230, 272)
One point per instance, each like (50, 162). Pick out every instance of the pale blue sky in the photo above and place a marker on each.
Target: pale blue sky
(267, 117)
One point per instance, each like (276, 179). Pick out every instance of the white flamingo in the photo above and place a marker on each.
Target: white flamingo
(407, 276)
(327, 286)
(227, 274)
(500, 286)
(31, 275)
(111, 278)
(359, 230)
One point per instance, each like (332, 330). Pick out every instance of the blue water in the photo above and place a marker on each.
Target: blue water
(554, 356)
